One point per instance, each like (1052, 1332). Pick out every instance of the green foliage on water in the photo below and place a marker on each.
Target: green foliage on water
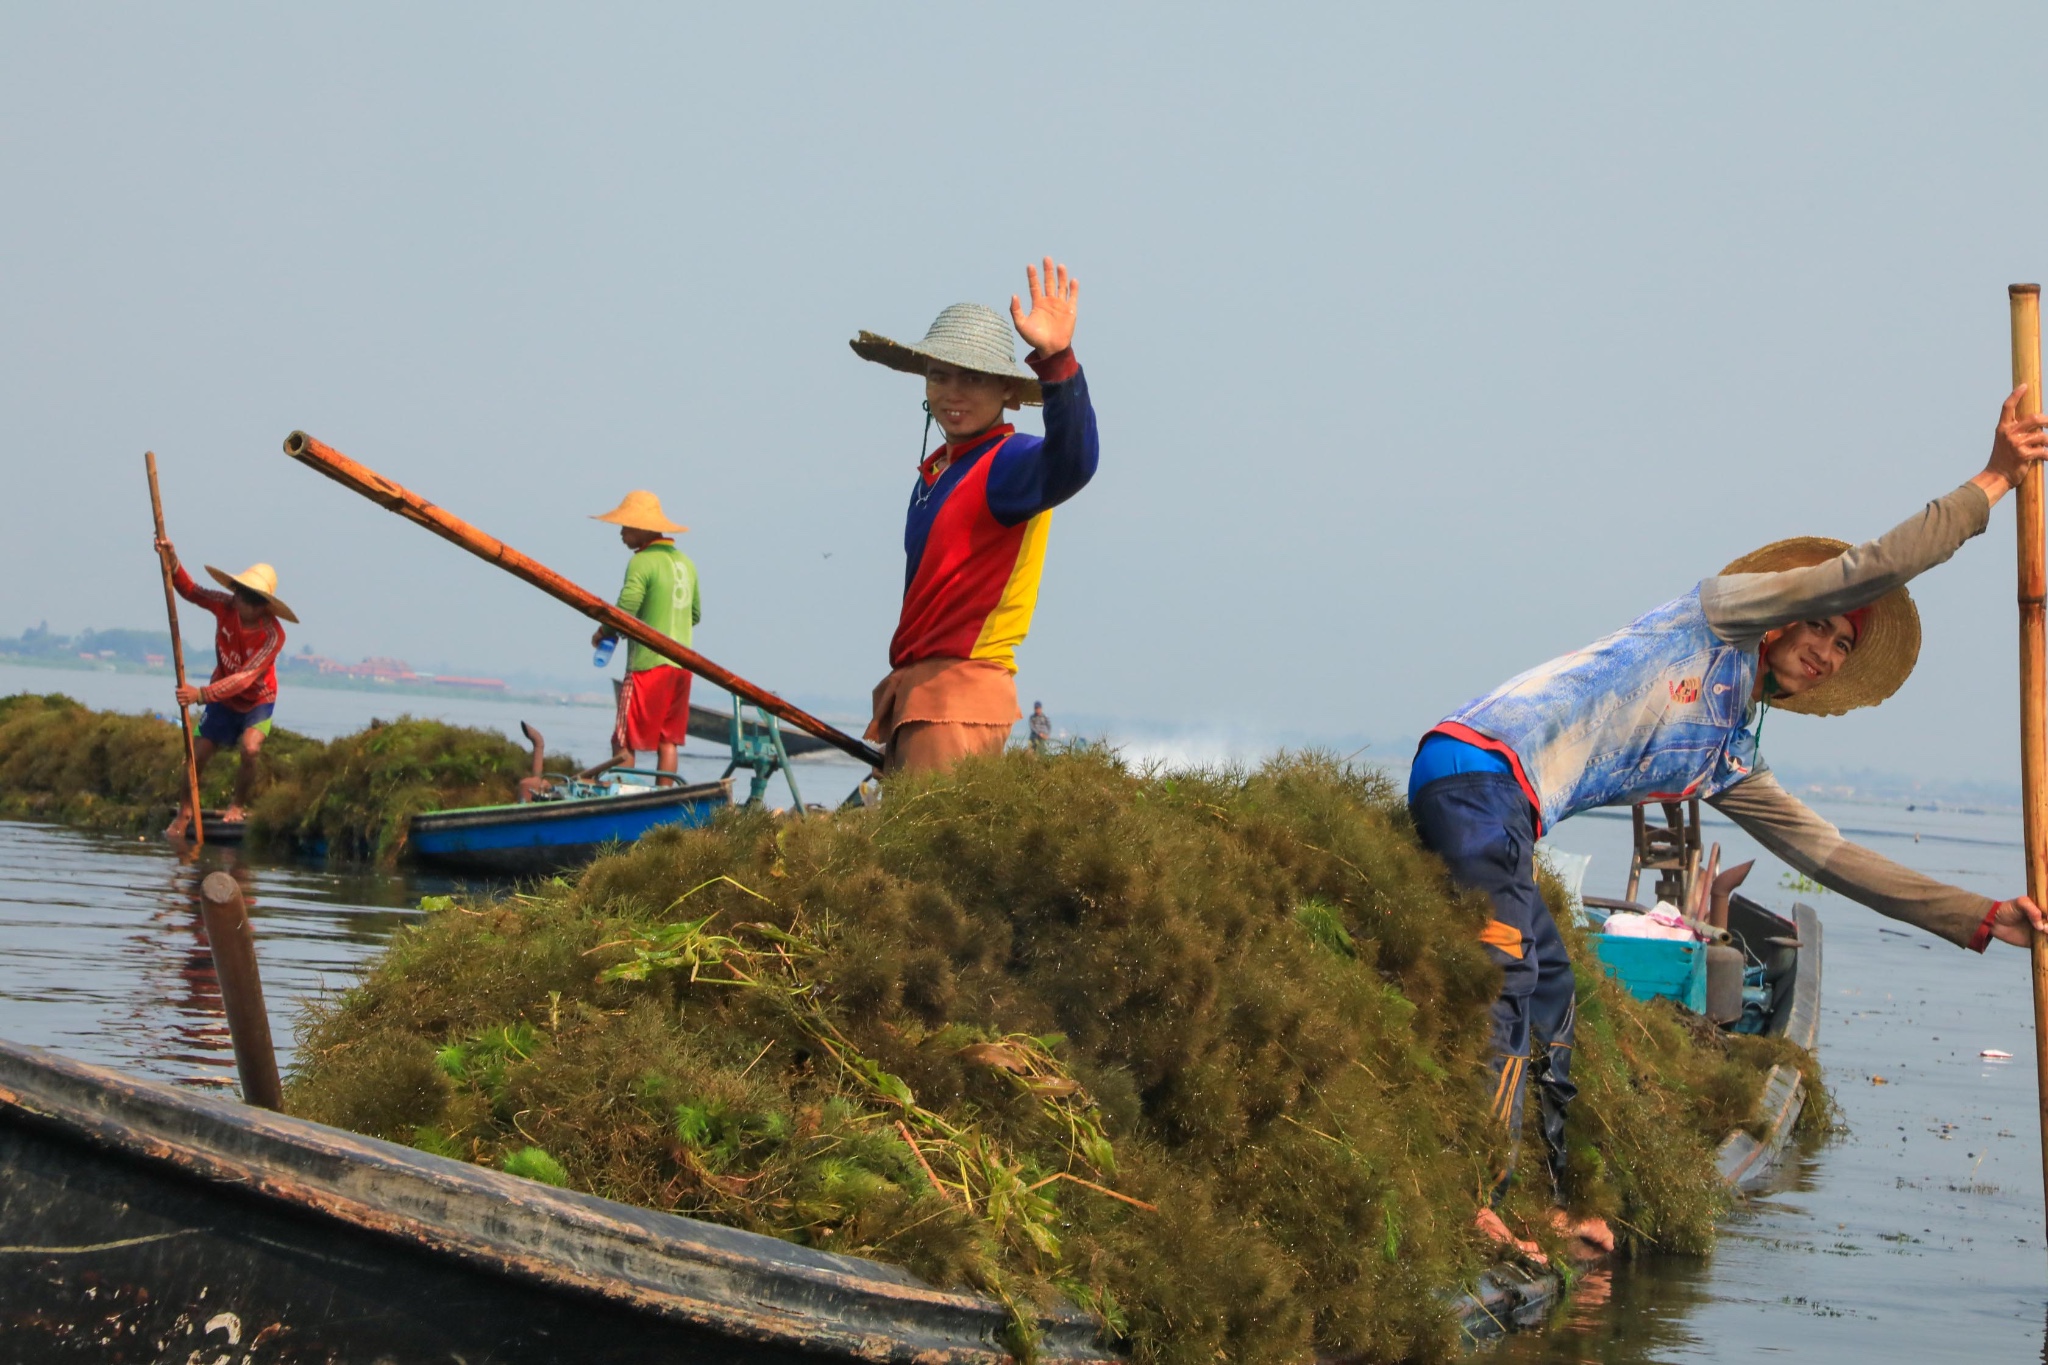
(122, 773)
(1202, 1053)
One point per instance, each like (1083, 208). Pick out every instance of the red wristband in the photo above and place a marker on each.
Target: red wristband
(1981, 940)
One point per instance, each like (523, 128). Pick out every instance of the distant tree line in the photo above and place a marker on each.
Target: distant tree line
(112, 646)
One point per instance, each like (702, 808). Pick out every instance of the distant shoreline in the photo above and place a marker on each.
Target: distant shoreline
(326, 681)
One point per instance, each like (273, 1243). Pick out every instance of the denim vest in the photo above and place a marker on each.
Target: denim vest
(1656, 709)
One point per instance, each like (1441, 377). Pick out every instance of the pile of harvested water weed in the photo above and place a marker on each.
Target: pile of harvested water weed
(1202, 1053)
(125, 773)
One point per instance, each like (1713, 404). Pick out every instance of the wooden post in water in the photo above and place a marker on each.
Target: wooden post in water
(156, 505)
(241, 988)
(445, 524)
(2033, 594)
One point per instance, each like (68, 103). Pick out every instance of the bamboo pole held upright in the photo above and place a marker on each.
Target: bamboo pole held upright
(156, 505)
(393, 497)
(2033, 595)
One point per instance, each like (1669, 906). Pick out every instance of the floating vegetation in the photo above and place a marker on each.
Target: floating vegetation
(1202, 1053)
(105, 770)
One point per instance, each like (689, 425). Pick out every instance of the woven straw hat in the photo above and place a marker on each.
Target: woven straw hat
(1886, 648)
(640, 510)
(260, 579)
(967, 335)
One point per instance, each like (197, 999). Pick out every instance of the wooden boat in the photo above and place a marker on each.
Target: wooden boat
(542, 836)
(142, 1221)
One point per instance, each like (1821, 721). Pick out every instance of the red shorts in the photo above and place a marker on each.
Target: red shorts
(654, 709)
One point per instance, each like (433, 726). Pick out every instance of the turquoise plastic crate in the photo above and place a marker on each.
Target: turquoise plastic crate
(1656, 968)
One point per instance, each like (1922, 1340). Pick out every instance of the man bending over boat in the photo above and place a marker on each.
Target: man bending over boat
(1664, 709)
(980, 511)
(661, 590)
(242, 695)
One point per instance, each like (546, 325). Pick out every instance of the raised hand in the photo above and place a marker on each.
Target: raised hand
(1049, 326)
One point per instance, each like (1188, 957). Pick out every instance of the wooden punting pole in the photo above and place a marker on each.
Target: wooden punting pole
(416, 509)
(2033, 593)
(156, 505)
(241, 988)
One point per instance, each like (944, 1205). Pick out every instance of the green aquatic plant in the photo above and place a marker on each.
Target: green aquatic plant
(1201, 1053)
(533, 1163)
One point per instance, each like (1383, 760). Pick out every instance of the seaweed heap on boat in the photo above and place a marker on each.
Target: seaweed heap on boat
(1200, 1052)
(351, 796)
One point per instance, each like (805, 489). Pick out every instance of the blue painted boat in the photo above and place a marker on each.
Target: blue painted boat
(543, 836)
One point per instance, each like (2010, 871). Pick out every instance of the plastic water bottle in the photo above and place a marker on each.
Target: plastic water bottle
(605, 647)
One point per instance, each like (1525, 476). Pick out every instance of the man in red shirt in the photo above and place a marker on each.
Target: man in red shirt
(980, 511)
(243, 691)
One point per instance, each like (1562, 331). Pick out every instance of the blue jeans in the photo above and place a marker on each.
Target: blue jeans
(1483, 827)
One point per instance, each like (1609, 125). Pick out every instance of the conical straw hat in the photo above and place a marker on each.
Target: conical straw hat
(967, 335)
(260, 579)
(1887, 647)
(640, 510)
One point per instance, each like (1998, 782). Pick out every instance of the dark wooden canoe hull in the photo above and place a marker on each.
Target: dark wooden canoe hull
(545, 836)
(134, 1216)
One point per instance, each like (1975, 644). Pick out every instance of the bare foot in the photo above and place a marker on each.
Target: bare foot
(234, 815)
(176, 829)
(1590, 1238)
(1488, 1222)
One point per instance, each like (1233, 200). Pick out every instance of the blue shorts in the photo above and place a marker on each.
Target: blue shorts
(224, 725)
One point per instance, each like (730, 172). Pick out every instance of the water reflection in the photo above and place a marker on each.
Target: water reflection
(103, 951)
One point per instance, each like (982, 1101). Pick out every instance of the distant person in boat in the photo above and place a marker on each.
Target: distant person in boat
(1041, 728)
(980, 510)
(661, 590)
(243, 693)
(1670, 706)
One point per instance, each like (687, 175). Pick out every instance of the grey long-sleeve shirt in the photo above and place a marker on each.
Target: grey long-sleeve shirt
(1741, 608)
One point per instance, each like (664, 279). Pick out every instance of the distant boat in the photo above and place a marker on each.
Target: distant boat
(535, 837)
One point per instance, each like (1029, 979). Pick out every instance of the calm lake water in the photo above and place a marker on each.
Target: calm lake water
(1917, 1237)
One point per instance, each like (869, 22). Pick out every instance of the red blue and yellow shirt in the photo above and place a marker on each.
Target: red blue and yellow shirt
(975, 539)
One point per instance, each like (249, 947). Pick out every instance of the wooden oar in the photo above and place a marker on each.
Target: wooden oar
(2026, 369)
(420, 512)
(156, 505)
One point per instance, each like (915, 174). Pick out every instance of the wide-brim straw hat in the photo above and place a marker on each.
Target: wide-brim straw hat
(640, 510)
(1887, 646)
(260, 579)
(967, 335)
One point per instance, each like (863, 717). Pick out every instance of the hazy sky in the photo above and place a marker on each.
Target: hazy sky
(1426, 344)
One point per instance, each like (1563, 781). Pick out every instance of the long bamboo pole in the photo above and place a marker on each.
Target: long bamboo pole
(156, 505)
(416, 509)
(2033, 594)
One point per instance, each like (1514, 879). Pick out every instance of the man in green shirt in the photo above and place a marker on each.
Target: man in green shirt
(661, 590)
